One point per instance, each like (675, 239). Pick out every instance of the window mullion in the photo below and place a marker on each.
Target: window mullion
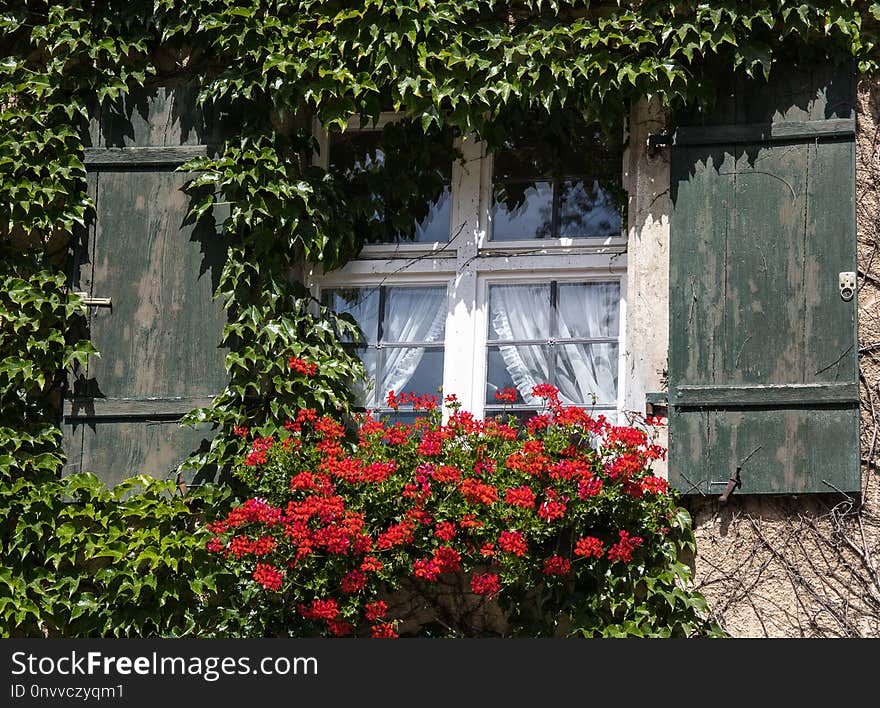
(462, 348)
(380, 354)
(551, 356)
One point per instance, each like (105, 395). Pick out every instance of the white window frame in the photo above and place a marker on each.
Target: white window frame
(469, 262)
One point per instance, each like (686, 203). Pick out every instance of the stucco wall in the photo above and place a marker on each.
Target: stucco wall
(807, 566)
(646, 175)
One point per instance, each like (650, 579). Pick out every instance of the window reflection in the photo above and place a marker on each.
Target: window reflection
(397, 183)
(559, 191)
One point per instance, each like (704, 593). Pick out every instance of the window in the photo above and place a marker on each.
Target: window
(524, 282)
(539, 193)
(562, 333)
(403, 329)
(421, 185)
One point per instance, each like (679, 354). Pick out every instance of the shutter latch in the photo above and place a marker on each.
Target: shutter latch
(94, 301)
(735, 482)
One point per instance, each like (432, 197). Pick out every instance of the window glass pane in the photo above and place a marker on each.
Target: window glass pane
(354, 152)
(512, 162)
(519, 312)
(411, 370)
(521, 415)
(520, 367)
(365, 390)
(414, 314)
(435, 226)
(413, 205)
(557, 178)
(588, 310)
(361, 303)
(399, 416)
(587, 209)
(522, 210)
(587, 373)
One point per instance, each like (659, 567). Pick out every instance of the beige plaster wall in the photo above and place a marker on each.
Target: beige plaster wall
(807, 566)
(646, 176)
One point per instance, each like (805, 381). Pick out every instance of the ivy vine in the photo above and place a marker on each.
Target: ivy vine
(465, 67)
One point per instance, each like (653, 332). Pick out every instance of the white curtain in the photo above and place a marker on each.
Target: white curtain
(522, 312)
(585, 310)
(413, 315)
(585, 371)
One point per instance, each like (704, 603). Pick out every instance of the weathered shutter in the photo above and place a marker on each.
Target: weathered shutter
(159, 335)
(763, 359)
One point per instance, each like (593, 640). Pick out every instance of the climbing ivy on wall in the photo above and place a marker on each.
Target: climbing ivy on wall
(473, 66)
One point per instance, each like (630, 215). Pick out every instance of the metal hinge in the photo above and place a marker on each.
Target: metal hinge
(94, 301)
(657, 404)
(656, 141)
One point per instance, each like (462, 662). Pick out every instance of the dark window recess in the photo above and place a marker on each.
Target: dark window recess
(397, 183)
(546, 189)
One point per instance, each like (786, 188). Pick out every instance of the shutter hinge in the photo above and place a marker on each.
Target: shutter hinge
(657, 404)
(658, 140)
(94, 301)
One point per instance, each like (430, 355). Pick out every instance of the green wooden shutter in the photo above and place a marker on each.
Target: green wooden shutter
(763, 370)
(159, 338)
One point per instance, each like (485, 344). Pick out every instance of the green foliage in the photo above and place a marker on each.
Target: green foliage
(36, 315)
(459, 67)
(79, 560)
(453, 68)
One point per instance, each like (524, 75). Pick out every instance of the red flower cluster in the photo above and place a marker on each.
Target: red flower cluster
(520, 496)
(302, 366)
(375, 610)
(371, 564)
(538, 423)
(553, 507)
(474, 491)
(589, 547)
(556, 565)
(445, 530)
(340, 628)
(509, 395)
(319, 609)
(513, 542)
(383, 631)
(547, 392)
(243, 546)
(348, 519)
(353, 581)
(307, 415)
(425, 402)
(590, 487)
(268, 576)
(259, 448)
(655, 485)
(446, 473)
(623, 549)
(396, 535)
(626, 436)
(485, 584)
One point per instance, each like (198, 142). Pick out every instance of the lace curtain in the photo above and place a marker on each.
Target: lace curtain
(412, 315)
(583, 371)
